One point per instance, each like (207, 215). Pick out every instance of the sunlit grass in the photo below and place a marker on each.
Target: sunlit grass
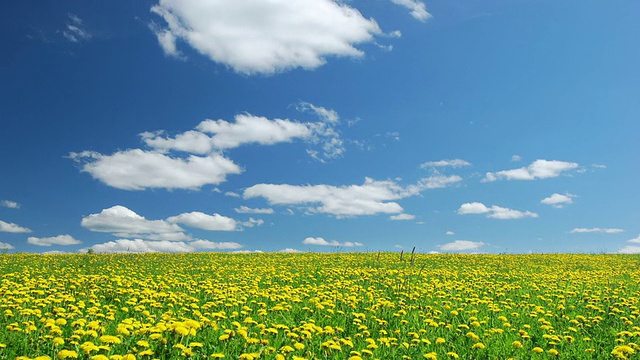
(319, 306)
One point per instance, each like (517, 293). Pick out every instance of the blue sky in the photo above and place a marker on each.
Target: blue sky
(317, 125)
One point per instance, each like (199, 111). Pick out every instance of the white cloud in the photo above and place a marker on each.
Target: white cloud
(254, 36)
(402, 217)
(252, 222)
(395, 135)
(516, 158)
(190, 141)
(501, 213)
(138, 169)
(12, 228)
(247, 210)
(215, 222)
(5, 246)
(9, 204)
(249, 129)
(539, 169)
(418, 8)
(290, 251)
(322, 242)
(371, 198)
(596, 230)
(473, 208)
(599, 166)
(232, 194)
(461, 245)
(247, 252)
(450, 233)
(145, 246)
(558, 200)
(205, 164)
(74, 31)
(140, 246)
(494, 212)
(630, 249)
(123, 222)
(210, 245)
(327, 115)
(438, 181)
(635, 240)
(56, 240)
(398, 246)
(167, 41)
(455, 163)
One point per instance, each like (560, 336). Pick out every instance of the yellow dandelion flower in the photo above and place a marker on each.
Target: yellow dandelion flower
(537, 350)
(110, 339)
(478, 345)
(432, 355)
(553, 352)
(66, 354)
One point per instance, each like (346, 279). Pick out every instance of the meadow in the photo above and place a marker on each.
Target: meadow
(319, 306)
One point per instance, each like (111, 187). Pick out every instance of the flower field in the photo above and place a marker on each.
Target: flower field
(319, 306)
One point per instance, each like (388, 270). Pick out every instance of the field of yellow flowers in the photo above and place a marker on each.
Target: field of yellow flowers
(319, 306)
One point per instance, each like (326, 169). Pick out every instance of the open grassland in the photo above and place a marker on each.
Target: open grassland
(319, 306)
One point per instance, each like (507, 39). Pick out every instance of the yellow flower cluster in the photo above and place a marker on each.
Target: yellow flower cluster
(318, 306)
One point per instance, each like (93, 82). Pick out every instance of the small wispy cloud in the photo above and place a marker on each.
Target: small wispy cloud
(247, 210)
(418, 8)
(12, 228)
(55, 240)
(322, 242)
(402, 217)
(596, 230)
(558, 200)
(494, 212)
(455, 163)
(461, 245)
(539, 169)
(74, 30)
(631, 249)
(9, 204)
